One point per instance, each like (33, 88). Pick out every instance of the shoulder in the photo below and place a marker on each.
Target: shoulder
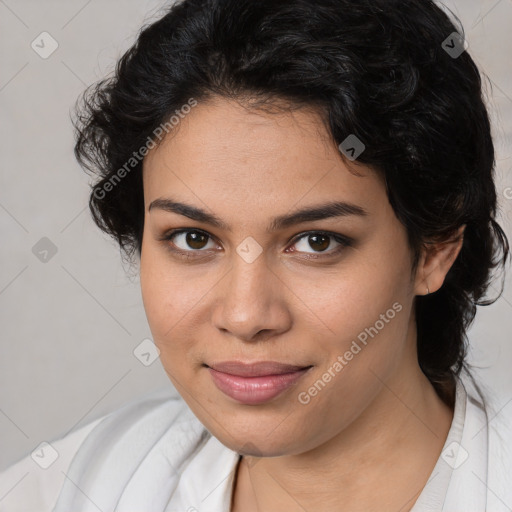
(33, 482)
(123, 436)
(499, 436)
(489, 414)
(493, 409)
(488, 429)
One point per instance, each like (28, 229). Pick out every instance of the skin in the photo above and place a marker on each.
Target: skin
(371, 437)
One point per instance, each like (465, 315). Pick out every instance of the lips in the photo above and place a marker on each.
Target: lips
(254, 383)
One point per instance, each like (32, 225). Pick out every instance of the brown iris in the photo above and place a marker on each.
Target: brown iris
(319, 242)
(196, 240)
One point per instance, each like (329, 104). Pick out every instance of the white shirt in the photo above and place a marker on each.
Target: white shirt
(154, 455)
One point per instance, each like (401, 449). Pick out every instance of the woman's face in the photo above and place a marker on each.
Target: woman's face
(249, 289)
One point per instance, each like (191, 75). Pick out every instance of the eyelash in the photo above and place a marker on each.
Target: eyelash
(341, 239)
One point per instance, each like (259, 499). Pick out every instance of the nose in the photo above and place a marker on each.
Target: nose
(250, 303)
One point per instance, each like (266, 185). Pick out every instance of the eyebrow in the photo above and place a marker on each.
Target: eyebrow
(308, 214)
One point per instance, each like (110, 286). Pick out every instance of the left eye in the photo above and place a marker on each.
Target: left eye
(320, 242)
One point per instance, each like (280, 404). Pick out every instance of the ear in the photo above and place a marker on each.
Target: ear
(435, 262)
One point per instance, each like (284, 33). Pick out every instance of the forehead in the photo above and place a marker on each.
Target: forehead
(225, 155)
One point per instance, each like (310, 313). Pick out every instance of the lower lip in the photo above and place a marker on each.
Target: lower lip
(254, 390)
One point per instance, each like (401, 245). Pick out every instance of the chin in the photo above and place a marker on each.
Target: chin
(258, 439)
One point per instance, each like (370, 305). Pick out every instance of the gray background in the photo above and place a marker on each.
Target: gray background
(70, 324)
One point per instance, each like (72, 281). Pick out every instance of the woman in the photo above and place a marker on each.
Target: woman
(309, 188)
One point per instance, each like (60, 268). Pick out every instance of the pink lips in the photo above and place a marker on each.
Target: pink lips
(254, 383)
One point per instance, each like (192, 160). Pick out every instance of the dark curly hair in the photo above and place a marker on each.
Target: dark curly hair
(379, 69)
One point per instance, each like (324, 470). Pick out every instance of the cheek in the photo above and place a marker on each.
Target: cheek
(370, 324)
(366, 308)
(353, 299)
(165, 306)
(163, 296)
(173, 299)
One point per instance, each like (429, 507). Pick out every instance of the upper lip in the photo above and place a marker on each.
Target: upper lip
(256, 369)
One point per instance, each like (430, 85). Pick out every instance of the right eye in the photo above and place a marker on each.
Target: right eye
(186, 241)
